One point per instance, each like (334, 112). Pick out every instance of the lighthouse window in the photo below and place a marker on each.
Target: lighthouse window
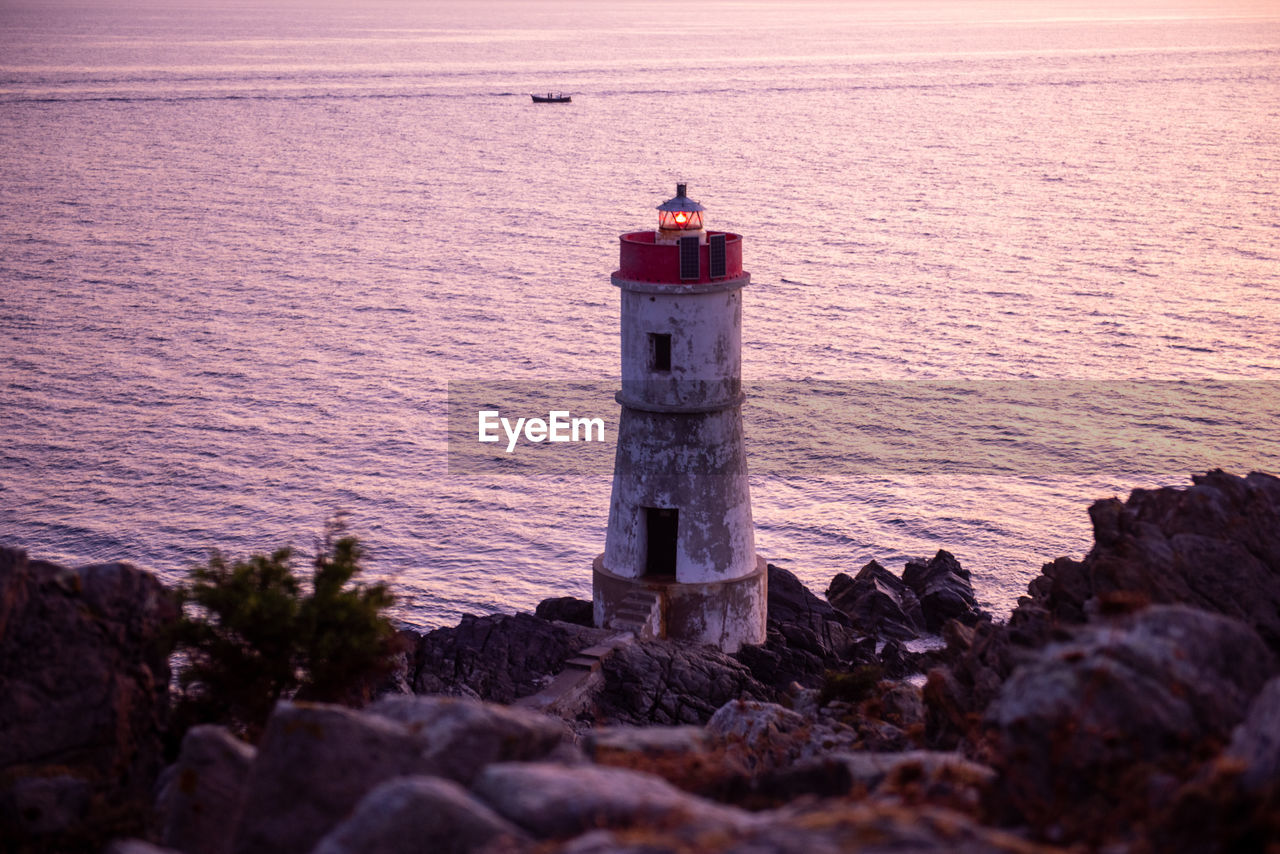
(662, 525)
(659, 351)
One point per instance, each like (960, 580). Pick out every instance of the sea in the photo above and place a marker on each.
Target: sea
(1007, 259)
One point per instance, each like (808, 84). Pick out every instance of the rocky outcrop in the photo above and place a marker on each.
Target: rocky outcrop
(978, 660)
(805, 637)
(1077, 731)
(84, 661)
(409, 815)
(566, 609)
(330, 780)
(929, 595)
(1092, 717)
(878, 603)
(1214, 546)
(658, 682)
(506, 658)
(747, 752)
(498, 658)
(1089, 695)
(792, 604)
(944, 589)
(1255, 744)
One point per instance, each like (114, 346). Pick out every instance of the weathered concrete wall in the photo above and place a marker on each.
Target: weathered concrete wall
(705, 325)
(695, 463)
(727, 614)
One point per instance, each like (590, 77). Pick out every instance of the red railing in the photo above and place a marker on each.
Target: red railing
(643, 260)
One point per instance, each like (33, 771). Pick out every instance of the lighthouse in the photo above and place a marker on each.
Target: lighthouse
(679, 559)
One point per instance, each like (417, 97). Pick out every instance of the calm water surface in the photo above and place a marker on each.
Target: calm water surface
(245, 249)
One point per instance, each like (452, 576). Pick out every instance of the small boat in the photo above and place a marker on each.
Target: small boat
(551, 98)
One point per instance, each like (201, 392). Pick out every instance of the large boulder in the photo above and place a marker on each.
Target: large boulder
(792, 607)
(1076, 732)
(84, 665)
(767, 733)
(1255, 743)
(566, 609)
(977, 661)
(944, 589)
(551, 801)
(316, 762)
(459, 737)
(805, 637)
(878, 602)
(664, 682)
(199, 797)
(499, 658)
(1233, 804)
(409, 815)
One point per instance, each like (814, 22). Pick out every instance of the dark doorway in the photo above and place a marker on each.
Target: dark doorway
(662, 525)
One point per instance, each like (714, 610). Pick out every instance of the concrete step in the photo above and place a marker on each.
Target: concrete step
(570, 691)
(598, 651)
(637, 613)
(628, 622)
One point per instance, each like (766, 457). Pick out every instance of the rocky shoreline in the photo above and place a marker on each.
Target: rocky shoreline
(1131, 702)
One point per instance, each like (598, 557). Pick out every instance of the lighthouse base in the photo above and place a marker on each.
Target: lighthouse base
(726, 614)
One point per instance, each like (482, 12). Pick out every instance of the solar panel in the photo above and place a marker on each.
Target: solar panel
(689, 258)
(716, 256)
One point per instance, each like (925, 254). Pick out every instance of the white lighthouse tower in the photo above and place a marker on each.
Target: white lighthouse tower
(679, 559)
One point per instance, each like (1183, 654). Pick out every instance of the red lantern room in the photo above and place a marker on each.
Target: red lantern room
(679, 217)
(681, 251)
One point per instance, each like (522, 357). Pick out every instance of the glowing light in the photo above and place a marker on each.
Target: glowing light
(680, 220)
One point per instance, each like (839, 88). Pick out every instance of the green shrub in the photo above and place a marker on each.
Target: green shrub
(252, 634)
